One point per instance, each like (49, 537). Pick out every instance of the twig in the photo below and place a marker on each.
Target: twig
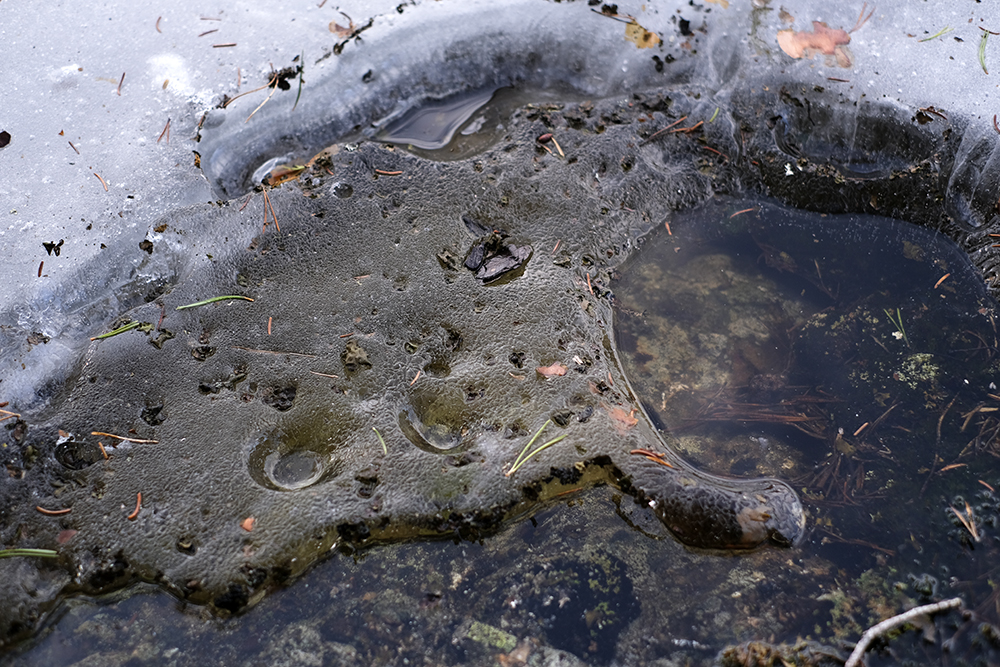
(894, 622)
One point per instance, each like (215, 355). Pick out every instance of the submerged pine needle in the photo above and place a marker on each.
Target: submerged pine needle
(213, 300)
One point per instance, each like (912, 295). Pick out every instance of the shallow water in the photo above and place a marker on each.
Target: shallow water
(728, 326)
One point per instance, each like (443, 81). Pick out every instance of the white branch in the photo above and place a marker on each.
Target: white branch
(890, 623)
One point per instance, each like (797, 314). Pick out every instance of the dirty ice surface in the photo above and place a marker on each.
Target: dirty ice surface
(102, 126)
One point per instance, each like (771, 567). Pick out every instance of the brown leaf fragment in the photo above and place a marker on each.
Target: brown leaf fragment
(247, 523)
(339, 30)
(822, 39)
(622, 420)
(555, 370)
(639, 36)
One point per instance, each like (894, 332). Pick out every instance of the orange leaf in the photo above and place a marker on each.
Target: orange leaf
(555, 370)
(823, 39)
(622, 419)
(247, 523)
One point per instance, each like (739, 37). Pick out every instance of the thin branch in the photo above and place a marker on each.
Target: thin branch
(894, 622)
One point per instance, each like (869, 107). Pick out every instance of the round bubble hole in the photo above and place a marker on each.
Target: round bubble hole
(280, 463)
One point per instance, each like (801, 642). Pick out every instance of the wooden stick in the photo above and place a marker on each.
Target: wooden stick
(894, 622)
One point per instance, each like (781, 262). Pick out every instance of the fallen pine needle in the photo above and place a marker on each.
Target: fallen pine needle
(268, 206)
(104, 452)
(41, 553)
(325, 375)
(102, 181)
(415, 378)
(115, 332)
(138, 506)
(213, 300)
(385, 450)
(383, 172)
(986, 485)
(537, 451)
(588, 284)
(53, 512)
(284, 352)
(746, 210)
(166, 132)
(937, 34)
(661, 131)
(941, 280)
(122, 437)
(269, 95)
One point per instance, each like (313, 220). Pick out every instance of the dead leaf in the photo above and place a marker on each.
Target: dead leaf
(247, 523)
(339, 30)
(639, 36)
(555, 370)
(822, 39)
(622, 420)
